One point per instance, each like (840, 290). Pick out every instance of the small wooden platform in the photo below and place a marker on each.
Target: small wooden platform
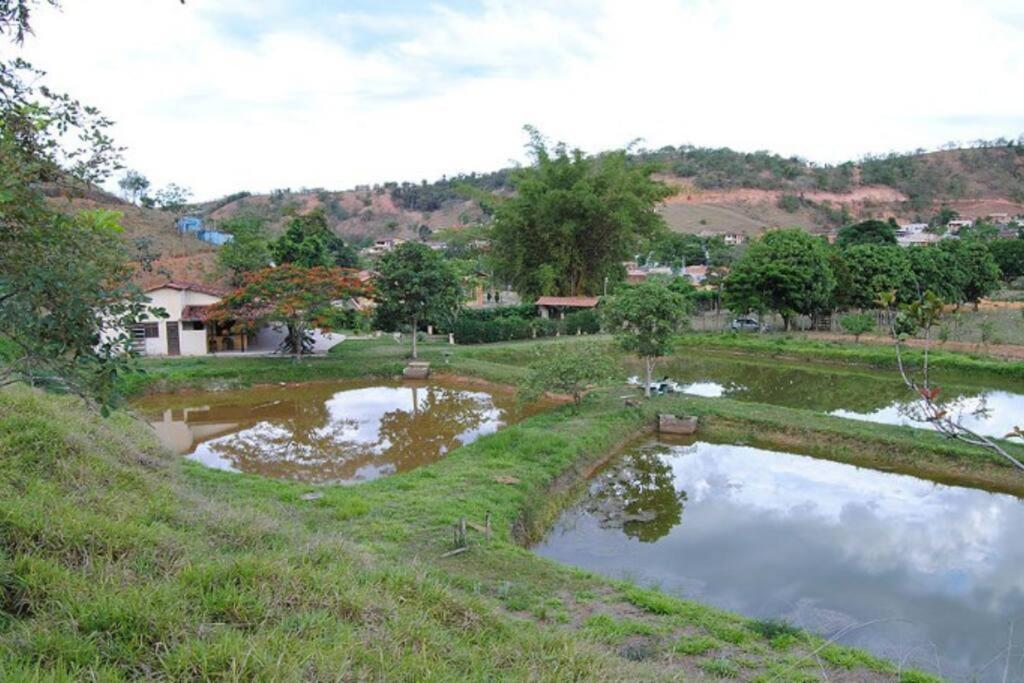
(417, 370)
(675, 424)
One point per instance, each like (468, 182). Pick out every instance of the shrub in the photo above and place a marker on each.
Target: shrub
(857, 324)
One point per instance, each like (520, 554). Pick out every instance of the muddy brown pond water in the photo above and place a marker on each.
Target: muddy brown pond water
(921, 573)
(329, 432)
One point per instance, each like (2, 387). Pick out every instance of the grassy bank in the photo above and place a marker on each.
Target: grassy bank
(871, 355)
(120, 561)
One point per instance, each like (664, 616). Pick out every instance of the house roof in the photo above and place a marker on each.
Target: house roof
(568, 301)
(185, 285)
(194, 312)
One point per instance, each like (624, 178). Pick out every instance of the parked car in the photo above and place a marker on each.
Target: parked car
(749, 325)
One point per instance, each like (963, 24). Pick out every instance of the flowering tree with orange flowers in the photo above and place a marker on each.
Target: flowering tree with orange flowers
(300, 298)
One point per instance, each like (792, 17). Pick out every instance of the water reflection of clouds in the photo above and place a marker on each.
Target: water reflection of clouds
(879, 520)
(934, 568)
(1001, 413)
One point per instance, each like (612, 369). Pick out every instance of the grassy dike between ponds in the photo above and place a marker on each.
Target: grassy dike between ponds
(870, 355)
(121, 561)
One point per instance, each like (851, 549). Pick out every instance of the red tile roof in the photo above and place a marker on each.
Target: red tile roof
(568, 301)
(190, 286)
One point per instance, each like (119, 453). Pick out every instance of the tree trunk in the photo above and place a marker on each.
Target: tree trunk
(414, 330)
(296, 342)
(648, 371)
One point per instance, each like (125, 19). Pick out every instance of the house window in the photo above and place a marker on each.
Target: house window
(193, 325)
(146, 331)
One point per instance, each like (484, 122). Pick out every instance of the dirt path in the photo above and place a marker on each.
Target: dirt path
(1003, 351)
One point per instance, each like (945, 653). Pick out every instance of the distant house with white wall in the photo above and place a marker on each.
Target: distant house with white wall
(955, 226)
(187, 332)
(183, 332)
(912, 229)
(917, 239)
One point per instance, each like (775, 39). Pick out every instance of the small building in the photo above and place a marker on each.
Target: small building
(696, 274)
(636, 274)
(955, 226)
(183, 332)
(733, 239)
(556, 306)
(918, 239)
(912, 229)
(999, 218)
(383, 246)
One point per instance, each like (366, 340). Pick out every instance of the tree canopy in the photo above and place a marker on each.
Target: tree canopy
(66, 299)
(786, 271)
(975, 271)
(415, 285)
(866, 232)
(297, 297)
(644, 319)
(573, 219)
(309, 242)
(1009, 256)
(248, 251)
(872, 269)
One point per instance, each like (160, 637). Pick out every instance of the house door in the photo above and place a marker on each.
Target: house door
(173, 339)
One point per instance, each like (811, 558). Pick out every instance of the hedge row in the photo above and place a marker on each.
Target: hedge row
(474, 328)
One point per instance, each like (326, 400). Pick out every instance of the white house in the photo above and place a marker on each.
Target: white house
(187, 332)
(183, 332)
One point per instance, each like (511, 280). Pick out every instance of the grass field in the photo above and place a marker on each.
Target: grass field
(121, 562)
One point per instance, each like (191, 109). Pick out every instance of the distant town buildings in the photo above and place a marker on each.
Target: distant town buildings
(383, 246)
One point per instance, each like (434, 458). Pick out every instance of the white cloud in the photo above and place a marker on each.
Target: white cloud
(250, 96)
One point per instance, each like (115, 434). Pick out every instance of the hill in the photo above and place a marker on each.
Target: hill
(718, 191)
(153, 225)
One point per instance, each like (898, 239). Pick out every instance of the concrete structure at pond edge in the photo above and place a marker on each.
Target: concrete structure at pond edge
(417, 369)
(554, 306)
(186, 332)
(674, 424)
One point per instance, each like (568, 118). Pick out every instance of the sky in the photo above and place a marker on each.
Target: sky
(228, 95)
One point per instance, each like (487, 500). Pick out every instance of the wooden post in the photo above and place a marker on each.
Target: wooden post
(487, 526)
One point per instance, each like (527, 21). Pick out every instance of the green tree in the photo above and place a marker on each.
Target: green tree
(133, 185)
(872, 269)
(786, 271)
(866, 232)
(1009, 256)
(309, 242)
(66, 299)
(644, 320)
(300, 298)
(172, 198)
(568, 369)
(935, 270)
(944, 216)
(857, 324)
(975, 270)
(248, 251)
(679, 249)
(415, 284)
(573, 219)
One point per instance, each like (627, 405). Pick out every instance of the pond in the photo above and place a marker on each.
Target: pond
(328, 432)
(992, 409)
(911, 570)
